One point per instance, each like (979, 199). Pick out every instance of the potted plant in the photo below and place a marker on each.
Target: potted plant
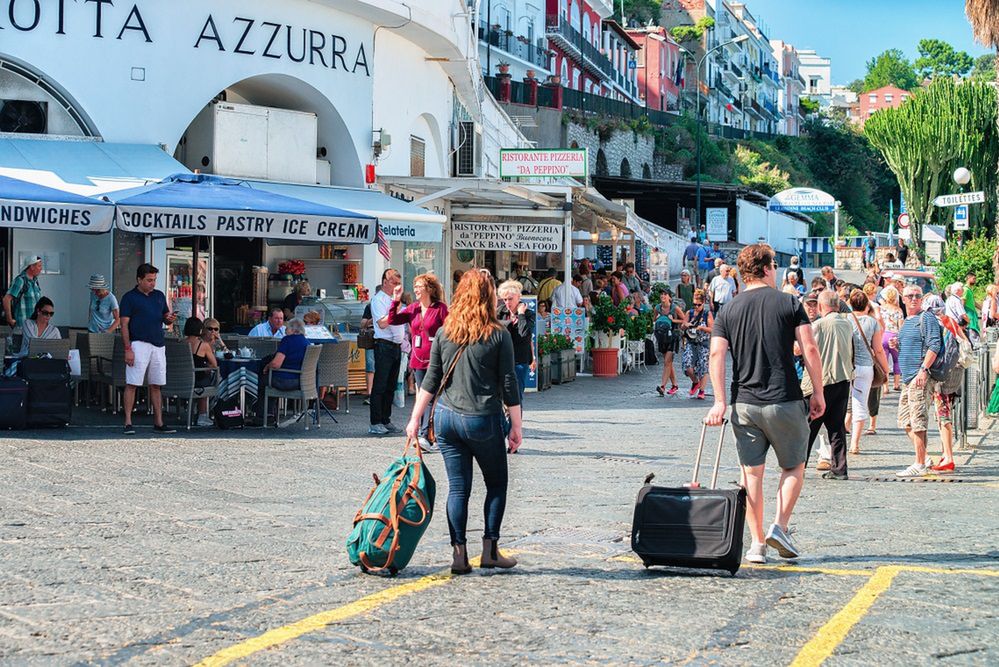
(503, 67)
(544, 362)
(608, 320)
(567, 359)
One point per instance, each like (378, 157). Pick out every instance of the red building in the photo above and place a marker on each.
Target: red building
(660, 68)
(888, 97)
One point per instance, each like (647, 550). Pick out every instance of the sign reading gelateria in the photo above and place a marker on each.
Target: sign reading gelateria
(506, 236)
(238, 35)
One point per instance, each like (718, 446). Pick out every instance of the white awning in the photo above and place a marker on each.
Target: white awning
(398, 219)
(85, 166)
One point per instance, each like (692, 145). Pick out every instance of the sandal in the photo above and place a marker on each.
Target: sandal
(855, 452)
(870, 431)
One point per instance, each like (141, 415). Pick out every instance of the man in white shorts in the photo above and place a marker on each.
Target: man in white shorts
(144, 311)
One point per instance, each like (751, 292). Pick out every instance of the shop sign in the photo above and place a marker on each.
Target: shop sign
(506, 236)
(204, 222)
(717, 224)
(542, 163)
(421, 232)
(54, 216)
(958, 199)
(238, 35)
(802, 200)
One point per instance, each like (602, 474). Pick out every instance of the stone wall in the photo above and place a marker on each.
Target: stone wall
(623, 145)
(852, 259)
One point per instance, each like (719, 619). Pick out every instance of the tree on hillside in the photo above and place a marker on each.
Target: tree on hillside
(984, 69)
(890, 68)
(638, 12)
(856, 86)
(945, 126)
(938, 58)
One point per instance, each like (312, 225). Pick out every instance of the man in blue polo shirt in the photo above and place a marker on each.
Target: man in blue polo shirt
(144, 311)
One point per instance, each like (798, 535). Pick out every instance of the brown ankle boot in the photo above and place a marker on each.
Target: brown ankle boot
(459, 560)
(491, 557)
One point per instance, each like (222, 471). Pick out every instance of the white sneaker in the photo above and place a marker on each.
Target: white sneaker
(757, 554)
(204, 420)
(915, 470)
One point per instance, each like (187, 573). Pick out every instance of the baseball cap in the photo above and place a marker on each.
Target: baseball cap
(33, 259)
(812, 296)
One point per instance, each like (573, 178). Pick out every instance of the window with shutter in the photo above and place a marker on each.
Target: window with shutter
(417, 156)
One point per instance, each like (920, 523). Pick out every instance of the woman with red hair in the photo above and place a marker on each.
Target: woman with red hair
(472, 363)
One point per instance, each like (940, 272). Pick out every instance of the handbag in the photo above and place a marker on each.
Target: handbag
(431, 435)
(366, 338)
(880, 374)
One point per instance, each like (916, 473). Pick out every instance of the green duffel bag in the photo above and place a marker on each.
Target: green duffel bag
(393, 518)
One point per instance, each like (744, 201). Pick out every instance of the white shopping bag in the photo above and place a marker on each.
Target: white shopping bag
(74, 362)
(399, 396)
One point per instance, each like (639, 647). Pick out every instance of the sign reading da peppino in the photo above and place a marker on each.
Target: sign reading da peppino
(242, 35)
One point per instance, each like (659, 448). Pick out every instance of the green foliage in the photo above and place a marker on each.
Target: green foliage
(942, 127)
(984, 69)
(975, 257)
(638, 11)
(656, 290)
(607, 317)
(890, 68)
(856, 86)
(690, 33)
(639, 326)
(554, 342)
(808, 105)
(759, 175)
(938, 58)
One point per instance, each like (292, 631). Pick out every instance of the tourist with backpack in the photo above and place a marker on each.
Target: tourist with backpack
(23, 293)
(947, 389)
(472, 370)
(918, 343)
(669, 320)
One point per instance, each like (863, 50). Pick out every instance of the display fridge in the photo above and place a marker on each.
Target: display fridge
(181, 291)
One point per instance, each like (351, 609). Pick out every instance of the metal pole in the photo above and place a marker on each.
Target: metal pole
(489, 27)
(697, 83)
(835, 233)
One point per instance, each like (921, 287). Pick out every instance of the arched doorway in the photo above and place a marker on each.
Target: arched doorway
(602, 163)
(625, 168)
(646, 171)
(32, 103)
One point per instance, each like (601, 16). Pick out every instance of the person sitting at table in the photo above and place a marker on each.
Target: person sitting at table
(39, 325)
(210, 334)
(273, 327)
(204, 357)
(289, 356)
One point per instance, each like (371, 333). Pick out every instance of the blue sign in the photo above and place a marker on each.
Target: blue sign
(961, 217)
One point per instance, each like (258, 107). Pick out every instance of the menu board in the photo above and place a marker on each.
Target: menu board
(572, 323)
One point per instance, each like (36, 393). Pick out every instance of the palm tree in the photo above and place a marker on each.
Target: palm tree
(984, 18)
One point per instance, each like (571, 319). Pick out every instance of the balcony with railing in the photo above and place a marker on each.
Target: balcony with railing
(576, 46)
(516, 45)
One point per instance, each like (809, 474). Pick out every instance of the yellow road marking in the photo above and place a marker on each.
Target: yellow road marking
(830, 635)
(815, 570)
(286, 633)
(942, 570)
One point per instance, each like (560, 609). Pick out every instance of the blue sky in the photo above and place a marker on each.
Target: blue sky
(853, 31)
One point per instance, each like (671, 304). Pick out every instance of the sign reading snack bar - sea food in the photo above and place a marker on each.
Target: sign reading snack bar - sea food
(542, 163)
(506, 236)
(246, 224)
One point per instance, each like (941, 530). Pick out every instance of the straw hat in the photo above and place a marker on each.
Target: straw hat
(97, 281)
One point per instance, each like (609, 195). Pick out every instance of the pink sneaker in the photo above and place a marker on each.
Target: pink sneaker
(700, 395)
(693, 391)
(673, 390)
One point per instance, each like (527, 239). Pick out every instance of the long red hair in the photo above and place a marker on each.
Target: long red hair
(471, 317)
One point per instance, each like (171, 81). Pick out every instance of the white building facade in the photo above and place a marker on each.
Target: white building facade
(816, 71)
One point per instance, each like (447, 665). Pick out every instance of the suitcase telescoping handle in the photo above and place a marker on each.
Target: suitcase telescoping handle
(700, 450)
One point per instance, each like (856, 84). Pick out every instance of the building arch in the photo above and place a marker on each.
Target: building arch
(601, 169)
(625, 168)
(574, 144)
(427, 128)
(286, 92)
(63, 114)
(646, 171)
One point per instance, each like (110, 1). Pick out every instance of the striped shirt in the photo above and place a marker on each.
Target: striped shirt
(912, 346)
(26, 292)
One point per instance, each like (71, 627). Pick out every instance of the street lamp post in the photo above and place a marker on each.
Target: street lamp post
(962, 176)
(697, 73)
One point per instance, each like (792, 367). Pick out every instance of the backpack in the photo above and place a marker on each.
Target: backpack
(227, 413)
(394, 516)
(950, 351)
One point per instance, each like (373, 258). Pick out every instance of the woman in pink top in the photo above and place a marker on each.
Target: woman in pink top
(424, 316)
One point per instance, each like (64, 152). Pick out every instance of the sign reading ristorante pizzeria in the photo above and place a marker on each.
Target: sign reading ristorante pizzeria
(542, 163)
(506, 236)
(240, 35)
(243, 224)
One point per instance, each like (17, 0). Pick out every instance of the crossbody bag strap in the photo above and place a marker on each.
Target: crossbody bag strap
(856, 321)
(443, 384)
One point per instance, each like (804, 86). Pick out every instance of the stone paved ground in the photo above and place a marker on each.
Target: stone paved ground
(167, 550)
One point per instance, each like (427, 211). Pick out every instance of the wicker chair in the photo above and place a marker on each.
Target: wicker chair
(261, 346)
(307, 390)
(181, 376)
(333, 368)
(59, 349)
(111, 369)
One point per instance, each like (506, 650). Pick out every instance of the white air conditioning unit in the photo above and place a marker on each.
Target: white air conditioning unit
(248, 141)
(324, 172)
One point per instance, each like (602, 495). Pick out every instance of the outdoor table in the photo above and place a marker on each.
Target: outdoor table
(239, 376)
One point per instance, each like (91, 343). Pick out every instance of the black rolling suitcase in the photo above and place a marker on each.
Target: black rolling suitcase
(13, 403)
(690, 526)
(50, 393)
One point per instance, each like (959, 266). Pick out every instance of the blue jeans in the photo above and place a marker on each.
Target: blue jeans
(462, 438)
(419, 374)
(523, 371)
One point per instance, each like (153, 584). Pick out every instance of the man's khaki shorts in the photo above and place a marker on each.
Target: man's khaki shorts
(913, 406)
(782, 426)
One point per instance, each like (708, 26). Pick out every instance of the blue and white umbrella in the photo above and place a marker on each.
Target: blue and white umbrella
(207, 205)
(27, 205)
